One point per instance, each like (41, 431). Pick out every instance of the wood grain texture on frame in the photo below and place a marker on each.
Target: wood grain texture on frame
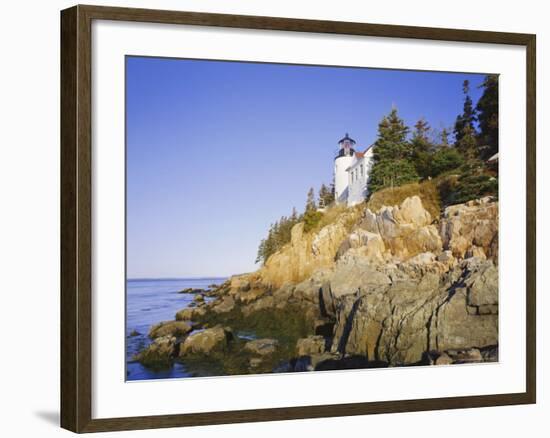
(76, 222)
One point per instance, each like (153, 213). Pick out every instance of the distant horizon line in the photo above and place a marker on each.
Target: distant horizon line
(206, 277)
(180, 278)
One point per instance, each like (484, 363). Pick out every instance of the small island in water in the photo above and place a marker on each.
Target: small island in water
(395, 263)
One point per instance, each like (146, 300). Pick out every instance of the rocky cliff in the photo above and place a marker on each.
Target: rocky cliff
(396, 287)
(400, 285)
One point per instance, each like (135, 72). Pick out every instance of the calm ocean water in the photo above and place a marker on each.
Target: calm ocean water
(147, 303)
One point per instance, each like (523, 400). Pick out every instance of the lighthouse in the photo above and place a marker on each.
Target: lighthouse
(343, 160)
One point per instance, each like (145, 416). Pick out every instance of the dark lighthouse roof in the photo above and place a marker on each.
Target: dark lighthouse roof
(346, 149)
(347, 138)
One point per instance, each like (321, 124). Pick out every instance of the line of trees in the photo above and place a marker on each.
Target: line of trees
(280, 231)
(401, 156)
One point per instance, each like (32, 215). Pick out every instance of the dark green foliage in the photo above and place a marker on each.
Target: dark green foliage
(392, 139)
(421, 148)
(470, 187)
(444, 160)
(465, 131)
(393, 165)
(444, 138)
(471, 181)
(487, 108)
(391, 174)
(420, 141)
(465, 121)
(423, 163)
(467, 145)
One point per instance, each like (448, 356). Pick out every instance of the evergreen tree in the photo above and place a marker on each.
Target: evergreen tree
(261, 252)
(465, 133)
(421, 148)
(466, 120)
(420, 138)
(444, 138)
(311, 216)
(467, 145)
(326, 195)
(444, 159)
(392, 138)
(278, 235)
(392, 155)
(487, 108)
(310, 202)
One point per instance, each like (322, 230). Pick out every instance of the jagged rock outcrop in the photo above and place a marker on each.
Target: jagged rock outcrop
(399, 289)
(364, 244)
(400, 314)
(306, 252)
(406, 230)
(393, 288)
(471, 227)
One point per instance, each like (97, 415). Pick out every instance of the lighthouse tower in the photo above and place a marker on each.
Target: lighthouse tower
(343, 160)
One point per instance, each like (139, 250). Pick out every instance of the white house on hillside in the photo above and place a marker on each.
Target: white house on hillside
(351, 172)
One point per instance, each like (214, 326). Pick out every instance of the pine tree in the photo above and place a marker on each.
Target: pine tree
(311, 216)
(467, 119)
(278, 235)
(260, 256)
(444, 159)
(392, 155)
(487, 108)
(392, 138)
(465, 133)
(310, 202)
(467, 145)
(326, 195)
(444, 138)
(420, 139)
(421, 148)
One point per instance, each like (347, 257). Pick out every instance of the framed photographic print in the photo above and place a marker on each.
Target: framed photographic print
(270, 218)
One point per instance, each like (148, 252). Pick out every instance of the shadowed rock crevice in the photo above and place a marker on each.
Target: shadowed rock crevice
(347, 328)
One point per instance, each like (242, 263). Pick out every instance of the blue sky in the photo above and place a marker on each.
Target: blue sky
(216, 151)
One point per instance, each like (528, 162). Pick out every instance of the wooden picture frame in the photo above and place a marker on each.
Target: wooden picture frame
(76, 217)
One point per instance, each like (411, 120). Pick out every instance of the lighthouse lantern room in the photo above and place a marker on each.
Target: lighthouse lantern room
(343, 160)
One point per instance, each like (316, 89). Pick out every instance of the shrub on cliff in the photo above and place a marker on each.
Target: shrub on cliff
(311, 218)
(444, 160)
(464, 188)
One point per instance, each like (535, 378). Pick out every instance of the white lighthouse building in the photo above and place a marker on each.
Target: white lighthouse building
(351, 173)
